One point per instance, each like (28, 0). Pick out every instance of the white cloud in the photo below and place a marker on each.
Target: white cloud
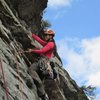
(92, 52)
(59, 14)
(94, 79)
(82, 59)
(58, 3)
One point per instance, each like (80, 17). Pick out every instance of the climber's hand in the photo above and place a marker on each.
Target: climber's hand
(29, 50)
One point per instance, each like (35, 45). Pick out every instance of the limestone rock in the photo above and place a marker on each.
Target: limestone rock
(18, 18)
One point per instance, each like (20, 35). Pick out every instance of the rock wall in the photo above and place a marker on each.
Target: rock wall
(19, 18)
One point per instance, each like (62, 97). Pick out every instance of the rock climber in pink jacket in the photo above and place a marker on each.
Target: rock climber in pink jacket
(48, 44)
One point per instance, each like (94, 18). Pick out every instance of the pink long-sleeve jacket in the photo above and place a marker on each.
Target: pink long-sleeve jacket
(47, 49)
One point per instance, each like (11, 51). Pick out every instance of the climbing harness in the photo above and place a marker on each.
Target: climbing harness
(4, 80)
(45, 68)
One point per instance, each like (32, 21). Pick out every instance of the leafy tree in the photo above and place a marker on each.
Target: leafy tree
(89, 91)
(45, 24)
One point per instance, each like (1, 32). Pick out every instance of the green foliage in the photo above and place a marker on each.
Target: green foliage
(89, 91)
(45, 24)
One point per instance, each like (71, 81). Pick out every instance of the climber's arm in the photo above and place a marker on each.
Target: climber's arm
(46, 48)
(43, 43)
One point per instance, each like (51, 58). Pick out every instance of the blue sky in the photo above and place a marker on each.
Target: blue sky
(77, 27)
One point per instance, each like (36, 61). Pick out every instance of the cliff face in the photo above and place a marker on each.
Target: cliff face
(17, 19)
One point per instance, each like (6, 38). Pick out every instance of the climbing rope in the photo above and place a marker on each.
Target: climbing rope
(4, 80)
(17, 68)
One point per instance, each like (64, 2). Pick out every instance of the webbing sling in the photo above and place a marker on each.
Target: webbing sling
(4, 80)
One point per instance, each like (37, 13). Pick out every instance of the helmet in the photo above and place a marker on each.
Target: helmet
(50, 32)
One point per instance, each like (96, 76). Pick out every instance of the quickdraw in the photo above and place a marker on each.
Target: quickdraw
(4, 80)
